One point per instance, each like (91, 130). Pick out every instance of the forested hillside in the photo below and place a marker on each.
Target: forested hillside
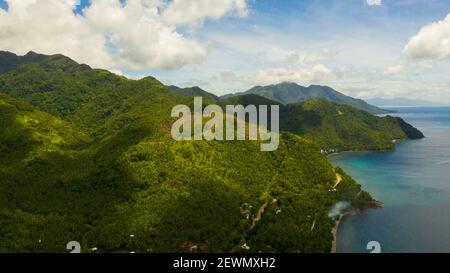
(87, 155)
(289, 92)
(336, 127)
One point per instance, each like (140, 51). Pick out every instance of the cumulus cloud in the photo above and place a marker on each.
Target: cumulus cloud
(432, 42)
(423, 65)
(292, 57)
(194, 12)
(112, 34)
(319, 57)
(373, 2)
(394, 70)
(317, 74)
(195, 82)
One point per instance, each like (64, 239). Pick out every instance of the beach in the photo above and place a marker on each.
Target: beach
(334, 231)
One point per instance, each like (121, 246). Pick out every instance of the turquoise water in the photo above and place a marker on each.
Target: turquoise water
(412, 182)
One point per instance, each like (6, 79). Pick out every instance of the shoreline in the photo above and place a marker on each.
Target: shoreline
(374, 204)
(395, 142)
(335, 231)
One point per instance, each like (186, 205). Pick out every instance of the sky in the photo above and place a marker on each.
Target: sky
(362, 48)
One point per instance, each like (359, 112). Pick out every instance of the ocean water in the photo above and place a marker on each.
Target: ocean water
(412, 182)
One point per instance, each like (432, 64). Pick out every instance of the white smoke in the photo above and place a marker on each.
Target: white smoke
(338, 209)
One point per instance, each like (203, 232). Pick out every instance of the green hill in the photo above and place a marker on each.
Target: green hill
(130, 195)
(195, 92)
(10, 61)
(86, 155)
(97, 101)
(336, 127)
(288, 93)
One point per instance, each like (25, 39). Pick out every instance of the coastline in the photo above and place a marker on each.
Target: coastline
(394, 141)
(374, 205)
(335, 231)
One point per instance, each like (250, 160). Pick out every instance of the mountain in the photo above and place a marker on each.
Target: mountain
(402, 102)
(99, 102)
(194, 92)
(10, 61)
(288, 92)
(336, 127)
(87, 155)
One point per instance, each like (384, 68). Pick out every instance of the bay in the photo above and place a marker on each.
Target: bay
(412, 182)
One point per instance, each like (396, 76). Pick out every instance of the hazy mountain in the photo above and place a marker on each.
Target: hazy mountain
(381, 102)
(292, 93)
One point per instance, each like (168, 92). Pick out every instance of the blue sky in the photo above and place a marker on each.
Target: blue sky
(364, 38)
(3, 4)
(357, 48)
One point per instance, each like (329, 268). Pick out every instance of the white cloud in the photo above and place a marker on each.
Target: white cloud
(317, 74)
(431, 43)
(194, 82)
(292, 57)
(418, 89)
(373, 2)
(194, 12)
(423, 65)
(394, 70)
(320, 56)
(140, 34)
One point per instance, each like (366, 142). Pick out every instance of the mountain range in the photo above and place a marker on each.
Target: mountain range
(336, 127)
(288, 92)
(87, 156)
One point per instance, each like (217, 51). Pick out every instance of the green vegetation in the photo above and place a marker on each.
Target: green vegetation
(288, 93)
(10, 61)
(195, 92)
(336, 127)
(339, 128)
(86, 155)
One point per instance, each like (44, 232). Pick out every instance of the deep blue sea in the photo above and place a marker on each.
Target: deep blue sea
(412, 182)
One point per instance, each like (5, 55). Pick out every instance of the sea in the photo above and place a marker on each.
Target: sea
(412, 182)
